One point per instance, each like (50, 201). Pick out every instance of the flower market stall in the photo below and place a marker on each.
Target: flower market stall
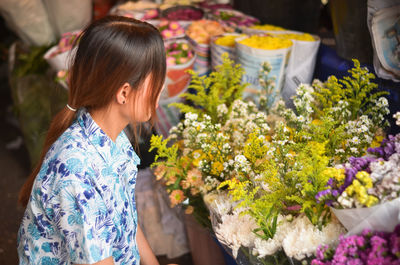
(251, 155)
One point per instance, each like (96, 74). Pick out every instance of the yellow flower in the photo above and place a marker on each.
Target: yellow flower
(365, 179)
(336, 173)
(198, 155)
(267, 27)
(372, 200)
(317, 122)
(301, 37)
(377, 141)
(216, 168)
(228, 40)
(266, 42)
(176, 197)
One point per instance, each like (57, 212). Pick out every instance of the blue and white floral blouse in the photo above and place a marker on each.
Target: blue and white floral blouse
(82, 206)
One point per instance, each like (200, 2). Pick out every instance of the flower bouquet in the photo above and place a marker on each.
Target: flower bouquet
(254, 50)
(58, 55)
(365, 195)
(224, 43)
(368, 248)
(191, 160)
(199, 34)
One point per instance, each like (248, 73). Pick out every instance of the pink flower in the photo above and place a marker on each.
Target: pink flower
(174, 26)
(167, 34)
(185, 47)
(61, 74)
(163, 23)
(180, 32)
(171, 61)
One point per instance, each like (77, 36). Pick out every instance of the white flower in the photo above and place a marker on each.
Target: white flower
(355, 140)
(240, 159)
(339, 151)
(222, 110)
(397, 117)
(236, 230)
(345, 201)
(303, 238)
(354, 150)
(300, 118)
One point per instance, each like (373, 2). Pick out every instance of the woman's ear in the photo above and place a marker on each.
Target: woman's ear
(123, 93)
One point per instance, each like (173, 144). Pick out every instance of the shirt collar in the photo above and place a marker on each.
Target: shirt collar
(100, 140)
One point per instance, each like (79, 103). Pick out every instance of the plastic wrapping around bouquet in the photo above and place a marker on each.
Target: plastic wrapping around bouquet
(383, 217)
(202, 62)
(59, 61)
(251, 60)
(301, 65)
(218, 50)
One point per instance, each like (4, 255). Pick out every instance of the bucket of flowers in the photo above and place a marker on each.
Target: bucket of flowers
(365, 195)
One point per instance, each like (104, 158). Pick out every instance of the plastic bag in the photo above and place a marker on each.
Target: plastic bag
(29, 20)
(384, 26)
(252, 58)
(383, 217)
(300, 69)
(66, 16)
(218, 50)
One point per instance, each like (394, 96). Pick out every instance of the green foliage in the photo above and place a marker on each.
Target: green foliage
(221, 87)
(32, 62)
(357, 90)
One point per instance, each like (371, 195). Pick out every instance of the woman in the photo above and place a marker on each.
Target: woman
(80, 204)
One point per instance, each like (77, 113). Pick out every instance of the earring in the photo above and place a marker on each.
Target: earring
(123, 102)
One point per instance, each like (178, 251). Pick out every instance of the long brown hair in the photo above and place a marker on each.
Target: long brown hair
(111, 51)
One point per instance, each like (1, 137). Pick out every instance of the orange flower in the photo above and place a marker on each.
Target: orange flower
(159, 172)
(189, 210)
(184, 184)
(176, 197)
(194, 191)
(194, 178)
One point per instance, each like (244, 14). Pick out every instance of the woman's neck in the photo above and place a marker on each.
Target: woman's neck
(110, 121)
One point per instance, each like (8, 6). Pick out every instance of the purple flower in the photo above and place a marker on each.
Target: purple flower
(322, 194)
(394, 241)
(330, 182)
(387, 148)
